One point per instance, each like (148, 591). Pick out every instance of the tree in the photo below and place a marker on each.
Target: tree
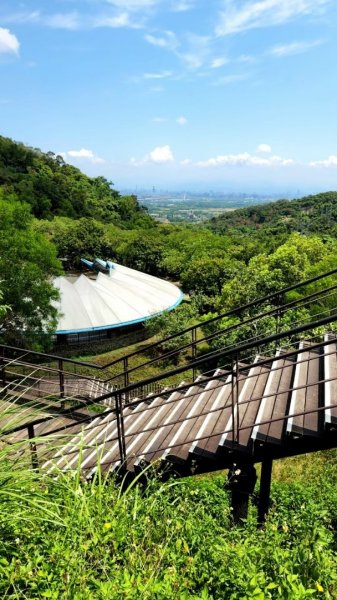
(207, 275)
(27, 264)
(3, 307)
(171, 323)
(143, 253)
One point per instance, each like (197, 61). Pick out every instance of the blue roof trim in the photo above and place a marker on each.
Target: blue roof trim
(124, 324)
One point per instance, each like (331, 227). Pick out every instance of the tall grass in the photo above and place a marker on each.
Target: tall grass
(64, 537)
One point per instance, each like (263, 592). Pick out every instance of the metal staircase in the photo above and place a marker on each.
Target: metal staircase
(268, 397)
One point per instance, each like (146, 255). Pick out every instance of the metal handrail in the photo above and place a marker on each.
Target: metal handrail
(299, 303)
(234, 311)
(223, 354)
(320, 409)
(229, 354)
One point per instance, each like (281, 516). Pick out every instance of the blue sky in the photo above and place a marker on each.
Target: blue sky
(222, 94)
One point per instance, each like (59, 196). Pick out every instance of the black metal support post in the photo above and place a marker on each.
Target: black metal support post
(3, 371)
(126, 374)
(237, 398)
(264, 496)
(241, 483)
(61, 379)
(194, 349)
(278, 319)
(233, 391)
(33, 448)
(120, 428)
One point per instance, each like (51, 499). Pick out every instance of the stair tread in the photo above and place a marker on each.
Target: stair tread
(138, 432)
(275, 401)
(216, 427)
(187, 431)
(330, 387)
(305, 395)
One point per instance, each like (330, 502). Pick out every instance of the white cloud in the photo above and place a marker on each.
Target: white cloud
(133, 4)
(159, 120)
(331, 161)
(198, 51)
(182, 6)
(161, 75)
(293, 48)
(264, 148)
(244, 159)
(84, 154)
(219, 62)
(75, 20)
(71, 21)
(9, 43)
(22, 17)
(228, 79)
(119, 20)
(263, 13)
(181, 120)
(161, 154)
(247, 58)
(167, 40)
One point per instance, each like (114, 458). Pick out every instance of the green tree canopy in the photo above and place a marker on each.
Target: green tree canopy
(27, 264)
(54, 188)
(292, 262)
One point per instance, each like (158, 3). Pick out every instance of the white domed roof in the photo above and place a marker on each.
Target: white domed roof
(123, 297)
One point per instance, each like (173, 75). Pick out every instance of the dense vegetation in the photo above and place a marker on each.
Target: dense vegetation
(27, 261)
(52, 187)
(236, 257)
(312, 214)
(69, 539)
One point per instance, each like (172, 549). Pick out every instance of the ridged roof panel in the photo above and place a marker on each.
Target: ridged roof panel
(124, 297)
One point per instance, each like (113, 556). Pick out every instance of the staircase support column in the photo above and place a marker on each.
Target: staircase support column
(241, 483)
(264, 496)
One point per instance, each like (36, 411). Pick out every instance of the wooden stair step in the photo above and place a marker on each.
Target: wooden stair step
(189, 430)
(305, 395)
(148, 417)
(330, 373)
(153, 444)
(216, 426)
(137, 433)
(275, 401)
(249, 397)
(104, 440)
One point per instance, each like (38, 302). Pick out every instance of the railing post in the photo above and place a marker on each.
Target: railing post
(126, 371)
(120, 428)
(237, 397)
(278, 318)
(233, 384)
(33, 448)
(61, 380)
(3, 369)
(194, 349)
(126, 376)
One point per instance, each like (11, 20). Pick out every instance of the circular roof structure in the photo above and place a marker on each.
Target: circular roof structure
(122, 297)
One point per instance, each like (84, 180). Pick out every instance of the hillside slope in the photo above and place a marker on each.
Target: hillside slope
(311, 214)
(54, 188)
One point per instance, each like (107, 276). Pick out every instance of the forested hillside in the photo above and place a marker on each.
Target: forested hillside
(54, 188)
(316, 214)
(239, 256)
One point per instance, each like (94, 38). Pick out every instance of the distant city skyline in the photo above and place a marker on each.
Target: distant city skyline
(231, 95)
